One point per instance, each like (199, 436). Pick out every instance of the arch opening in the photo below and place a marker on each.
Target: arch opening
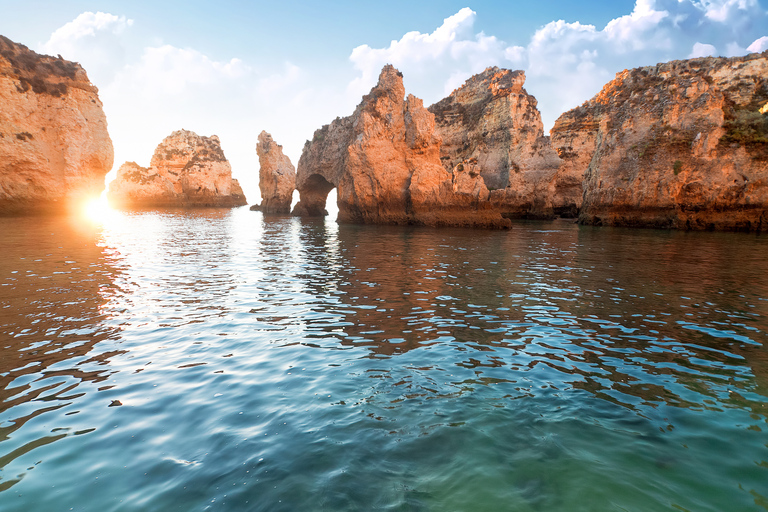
(313, 195)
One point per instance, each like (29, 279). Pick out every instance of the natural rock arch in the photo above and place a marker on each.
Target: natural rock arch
(314, 192)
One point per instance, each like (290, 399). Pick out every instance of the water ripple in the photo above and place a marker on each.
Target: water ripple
(218, 359)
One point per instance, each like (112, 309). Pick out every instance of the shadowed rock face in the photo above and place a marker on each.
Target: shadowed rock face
(186, 170)
(494, 139)
(277, 176)
(54, 146)
(677, 145)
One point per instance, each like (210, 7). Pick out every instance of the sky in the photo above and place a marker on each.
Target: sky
(235, 68)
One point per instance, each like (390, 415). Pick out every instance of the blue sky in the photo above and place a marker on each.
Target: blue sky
(236, 68)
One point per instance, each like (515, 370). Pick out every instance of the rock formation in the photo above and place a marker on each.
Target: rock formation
(677, 145)
(493, 142)
(54, 145)
(277, 176)
(186, 170)
(385, 161)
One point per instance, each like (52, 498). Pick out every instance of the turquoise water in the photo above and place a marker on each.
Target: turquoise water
(221, 360)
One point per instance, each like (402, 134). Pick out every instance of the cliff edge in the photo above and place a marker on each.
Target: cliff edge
(681, 145)
(54, 146)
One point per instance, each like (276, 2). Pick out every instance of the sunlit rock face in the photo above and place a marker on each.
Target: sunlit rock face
(277, 176)
(54, 146)
(385, 161)
(677, 145)
(186, 170)
(494, 145)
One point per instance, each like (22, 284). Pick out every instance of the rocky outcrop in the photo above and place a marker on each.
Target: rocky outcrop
(54, 145)
(677, 145)
(493, 142)
(385, 161)
(277, 176)
(186, 170)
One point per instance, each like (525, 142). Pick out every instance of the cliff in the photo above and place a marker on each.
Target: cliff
(186, 170)
(384, 160)
(54, 146)
(277, 176)
(677, 145)
(492, 133)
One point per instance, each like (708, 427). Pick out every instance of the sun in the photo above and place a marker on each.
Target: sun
(97, 209)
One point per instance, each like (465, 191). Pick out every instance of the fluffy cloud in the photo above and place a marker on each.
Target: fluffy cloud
(93, 39)
(170, 71)
(702, 50)
(452, 52)
(725, 10)
(760, 45)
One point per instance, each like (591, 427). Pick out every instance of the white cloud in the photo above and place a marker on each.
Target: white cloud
(432, 63)
(758, 46)
(702, 50)
(628, 31)
(170, 71)
(724, 10)
(94, 40)
(515, 54)
(87, 25)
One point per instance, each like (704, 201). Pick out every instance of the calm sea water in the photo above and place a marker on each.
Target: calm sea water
(221, 360)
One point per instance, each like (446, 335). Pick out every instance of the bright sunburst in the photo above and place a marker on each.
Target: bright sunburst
(98, 209)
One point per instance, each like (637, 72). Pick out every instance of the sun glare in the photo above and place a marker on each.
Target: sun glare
(98, 209)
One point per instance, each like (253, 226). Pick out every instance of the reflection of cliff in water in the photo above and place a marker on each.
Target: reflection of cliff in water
(55, 280)
(596, 308)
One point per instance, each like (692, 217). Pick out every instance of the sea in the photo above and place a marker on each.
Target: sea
(223, 360)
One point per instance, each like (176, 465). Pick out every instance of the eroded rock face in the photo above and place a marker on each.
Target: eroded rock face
(54, 146)
(494, 144)
(186, 170)
(277, 176)
(385, 161)
(677, 145)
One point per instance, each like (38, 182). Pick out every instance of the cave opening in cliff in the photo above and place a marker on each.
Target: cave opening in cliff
(314, 195)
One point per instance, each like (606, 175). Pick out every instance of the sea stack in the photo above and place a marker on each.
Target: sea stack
(277, 176)
(186, 170)
(677, 145)
(54, 146)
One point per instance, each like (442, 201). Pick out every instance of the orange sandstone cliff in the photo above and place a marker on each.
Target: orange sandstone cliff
(54, 146)
(186, 170)
(384, 160)
(682, 145)
(277, 176)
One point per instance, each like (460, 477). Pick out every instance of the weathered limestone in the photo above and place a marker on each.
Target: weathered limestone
(677, 145)
(385, 161)
(186, 170)
(277, 176)
(494, 144)
(54, 146)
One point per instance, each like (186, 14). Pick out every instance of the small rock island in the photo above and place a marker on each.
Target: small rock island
(54, 146)
(277, 177)
(186, 170)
